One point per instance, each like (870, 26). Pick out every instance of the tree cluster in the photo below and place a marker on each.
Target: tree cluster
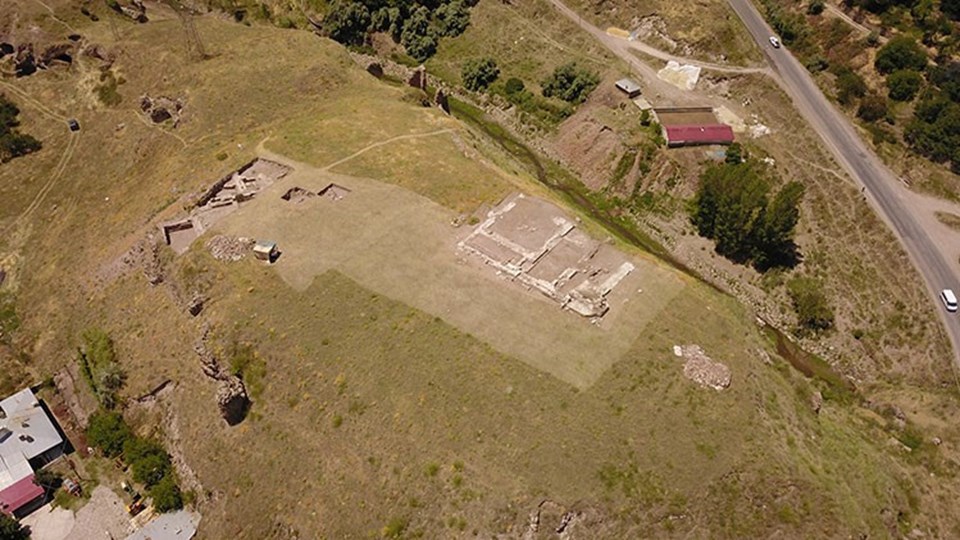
(733, 207)
(479, 73)
(13, 143)
(934, 131)
(416, 24)
(534, 108)
(149, 462)
(99, 366)
(570, 82)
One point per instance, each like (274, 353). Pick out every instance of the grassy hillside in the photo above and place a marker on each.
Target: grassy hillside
(374, 418)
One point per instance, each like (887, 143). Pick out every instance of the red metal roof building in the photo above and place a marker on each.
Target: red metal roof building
(18, 495)
(691, 135)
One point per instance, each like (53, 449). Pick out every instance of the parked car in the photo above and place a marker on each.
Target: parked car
(775, 41)
(949, 300)
(73, 124)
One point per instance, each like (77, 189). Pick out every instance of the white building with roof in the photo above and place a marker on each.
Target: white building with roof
(28, 441)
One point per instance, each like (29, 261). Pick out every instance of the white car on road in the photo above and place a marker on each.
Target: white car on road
(775, 41)
(949, 300)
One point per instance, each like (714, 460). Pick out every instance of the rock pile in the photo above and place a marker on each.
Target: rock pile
(702, 369)
(229, 248)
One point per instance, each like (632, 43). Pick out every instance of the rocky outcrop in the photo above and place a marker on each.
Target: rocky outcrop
(440, 100)
(816, 402)
(375, 69)
(61, 53)
(232, 400)
(418, 79)
(161, 109)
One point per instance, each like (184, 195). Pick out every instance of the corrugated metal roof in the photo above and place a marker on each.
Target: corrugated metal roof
(703, 134)
(19, 494)
(32, 434)
(628, 85)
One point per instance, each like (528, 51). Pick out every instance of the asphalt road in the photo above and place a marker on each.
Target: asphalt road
(881, 185)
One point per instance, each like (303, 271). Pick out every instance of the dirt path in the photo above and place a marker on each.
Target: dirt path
(381, 143)
(61, 166)
(837, 12)
(36, 104)
(54, 16)
(621, 47)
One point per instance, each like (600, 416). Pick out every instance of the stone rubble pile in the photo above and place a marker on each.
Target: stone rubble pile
(229, 248)
(701, 369)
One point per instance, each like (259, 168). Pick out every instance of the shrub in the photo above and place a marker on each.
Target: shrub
(810, 304)
(108, 432)
(815, 7)
(99, 366)
(13, 143)
(479, 73)
(903, 85)
(570, 83)
(11, 529)
(872, 108)
(850, 86)
(513, 86)
(902, 52)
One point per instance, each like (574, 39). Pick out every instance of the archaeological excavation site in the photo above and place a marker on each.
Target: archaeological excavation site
(533, 243)
(223, 198)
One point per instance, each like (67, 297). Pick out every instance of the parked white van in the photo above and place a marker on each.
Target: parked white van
(949, 299)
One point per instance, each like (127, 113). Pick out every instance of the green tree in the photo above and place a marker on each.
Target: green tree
(417, 36)
(479, 73)
(151, 469)
(815, 7)
(872, 108)
(347, 22)
(775, 246)
(148, 459)
(811, 305)
(903, 85)
(452, 18)
(570, 83)
(11, 529)
(729, 207)
(166, 495)
(108, 432)
(732, 207)
(901, 52)
(47, 479)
